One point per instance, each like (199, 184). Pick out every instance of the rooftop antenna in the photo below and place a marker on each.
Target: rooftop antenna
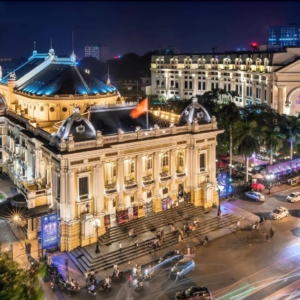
(34, 46)
(108, 79)
(51, 42)
(72, 42)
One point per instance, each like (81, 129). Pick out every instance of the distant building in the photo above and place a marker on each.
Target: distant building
(284, 35)
(98, 51)
(165, 51)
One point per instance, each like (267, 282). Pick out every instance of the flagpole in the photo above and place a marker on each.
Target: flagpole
(147, 120)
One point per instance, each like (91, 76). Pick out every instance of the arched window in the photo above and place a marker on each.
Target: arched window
(165, 160)
(238, 61)
(149, 163)
(266, 62)
(248, 62)
(180, 160)
(113, 170)
(201, 63)
(226, 61)
(258, 62)
(174, 62)
(132, 166)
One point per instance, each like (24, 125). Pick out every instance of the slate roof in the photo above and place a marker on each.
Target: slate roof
(64, 79)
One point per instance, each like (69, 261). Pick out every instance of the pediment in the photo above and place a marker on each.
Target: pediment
(293, 67)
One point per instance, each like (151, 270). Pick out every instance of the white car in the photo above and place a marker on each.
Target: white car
(255, 196)
(279, 213)
(293, 197)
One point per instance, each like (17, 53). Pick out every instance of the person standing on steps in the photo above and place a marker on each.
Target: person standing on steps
(120, 246)
(136, 243)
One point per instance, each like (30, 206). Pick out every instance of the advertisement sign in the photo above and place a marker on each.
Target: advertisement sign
(122, 216)
(135, 212)
(107, 221)
(49, 231)
(223, 183)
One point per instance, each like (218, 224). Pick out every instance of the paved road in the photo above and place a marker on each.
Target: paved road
(238, 266)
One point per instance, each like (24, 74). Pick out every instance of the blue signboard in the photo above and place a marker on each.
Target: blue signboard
(49, 231)
(223, 183)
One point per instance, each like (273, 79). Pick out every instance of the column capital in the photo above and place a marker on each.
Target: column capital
(120, 160)
(139, 156)
(156, 153)
(98, 166)
(71, 171)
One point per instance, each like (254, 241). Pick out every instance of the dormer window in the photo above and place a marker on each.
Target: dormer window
(248, 62)
(226, 61)
(214, 61)
(174, 62)
(238, 61)
(187, 62)
(160, 61)
(266, 62)
(258, 62)
(201, 62)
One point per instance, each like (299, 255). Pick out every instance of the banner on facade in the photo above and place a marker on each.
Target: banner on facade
(122, 216)
(107, 221)
(223, 183)
(135, 212)
(49, 231)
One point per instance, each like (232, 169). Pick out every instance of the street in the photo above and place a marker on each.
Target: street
(240, 265)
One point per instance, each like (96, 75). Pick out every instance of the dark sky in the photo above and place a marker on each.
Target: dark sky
(138, 26)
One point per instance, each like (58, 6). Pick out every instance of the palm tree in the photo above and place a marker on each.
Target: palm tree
(222, 92)
(273, 140)
(233, 94)
(230, 114)
(248, 139)
(292, 124)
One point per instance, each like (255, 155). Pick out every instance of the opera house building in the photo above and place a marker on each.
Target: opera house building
(72, 149)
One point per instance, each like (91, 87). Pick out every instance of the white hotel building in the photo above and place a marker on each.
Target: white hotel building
(258, 77)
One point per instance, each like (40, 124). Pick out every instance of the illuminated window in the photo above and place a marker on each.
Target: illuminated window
(132, 166)
(258, 62)
(52, 109)
(149, 163)
(114, 170)
(202, 162)
(165, 160)
(83, 186)
(180, 160)
(64, 109)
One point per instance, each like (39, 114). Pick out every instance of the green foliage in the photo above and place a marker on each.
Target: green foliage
(17, 283)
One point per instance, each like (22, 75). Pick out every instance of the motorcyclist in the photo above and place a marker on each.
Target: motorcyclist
(92, 289)
(107, 282)
(117, 272)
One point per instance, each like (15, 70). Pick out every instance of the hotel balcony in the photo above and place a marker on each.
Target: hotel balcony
(180, 176)
(111, 189)
(165, 177)
(130, 186)
(148, 181)
(33, 193)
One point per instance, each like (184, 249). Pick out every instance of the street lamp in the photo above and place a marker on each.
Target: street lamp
(219, 206)
(96, 223)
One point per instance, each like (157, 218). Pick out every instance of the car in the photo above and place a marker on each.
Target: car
(184, 266)
(194, 292)
(279, 213)
(293, 197)
(255, 195)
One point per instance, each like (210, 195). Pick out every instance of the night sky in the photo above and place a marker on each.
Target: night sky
(138, 26)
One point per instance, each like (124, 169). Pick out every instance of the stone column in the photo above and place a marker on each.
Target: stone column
(167, 85)
(253, 93)
(281, 100)
(108, 172)
(139, 180)
(156, 198)
(195, 85)
(71, 201)
(63, 199)
(212, 163)
(269, 100)
(121, 204)
(181, 83)
(173, 193)
(208, 84)
(98, 189)
(244, 92)
(195, 168)
(188, 167)
(262, 93)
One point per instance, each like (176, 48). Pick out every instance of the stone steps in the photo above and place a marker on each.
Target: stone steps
(106, 261)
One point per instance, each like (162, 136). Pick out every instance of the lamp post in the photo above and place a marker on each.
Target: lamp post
(96, 223)
(219, 206)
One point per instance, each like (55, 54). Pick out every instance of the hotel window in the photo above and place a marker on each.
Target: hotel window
(83, 186)
(265, 95)
(217, 85)
(199, 85)
(229, 87)
(185, 84)
(149, 194)
(149, 163)
(165, 160)
(202, 162)
(258, 62)
(191, 85)
(157, 82)
(131, 199)
(165, 191)
(212, 85)
(114, 170)
(236, 88)
(58, 188)
(180, 160)
(132, 166)
(176, 84)
(172, 83)
(203, 86)
(114, 203)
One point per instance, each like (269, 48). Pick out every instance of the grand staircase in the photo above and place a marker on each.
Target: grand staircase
(84, 260)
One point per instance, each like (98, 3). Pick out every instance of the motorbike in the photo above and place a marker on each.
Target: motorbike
(104, 286)
(205, 242)
(137, 284)
(114, 275)
(92, 292)
(148, 274)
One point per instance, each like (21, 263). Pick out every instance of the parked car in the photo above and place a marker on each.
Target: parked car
(293, 197)
(184, 266)
(255, 196)
(279, 213)
(194, 292)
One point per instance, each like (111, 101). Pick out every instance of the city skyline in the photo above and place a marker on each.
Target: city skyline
(157, 24)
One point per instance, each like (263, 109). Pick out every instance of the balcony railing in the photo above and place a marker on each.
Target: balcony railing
(111, 188)
(165, 176)
(180, 175)
(148, 180)
(130, 184)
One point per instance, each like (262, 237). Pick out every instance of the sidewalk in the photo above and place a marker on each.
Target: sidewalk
(227, 208)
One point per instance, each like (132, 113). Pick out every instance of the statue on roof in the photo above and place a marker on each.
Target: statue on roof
(12, 76)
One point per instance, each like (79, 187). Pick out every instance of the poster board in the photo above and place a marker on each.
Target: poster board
(49, 231)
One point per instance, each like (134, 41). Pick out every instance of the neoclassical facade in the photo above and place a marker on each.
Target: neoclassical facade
(98, 162)
(258, 77)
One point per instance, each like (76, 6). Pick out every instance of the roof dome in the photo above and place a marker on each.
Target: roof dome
(194, 111)
(78, 126)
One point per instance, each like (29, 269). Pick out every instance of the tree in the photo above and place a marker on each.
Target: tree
(17, 283)
(273, 139)
(229, 114)
(222, 92)
(292, 125)
(233, 94)
(247, 137)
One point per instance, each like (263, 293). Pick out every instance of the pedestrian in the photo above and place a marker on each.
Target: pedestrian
(238, 224)
(136, 242)
(115, 267)
(129, 264)
(120, 246)
(87, 275)
(179, 238)
(271, 233)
